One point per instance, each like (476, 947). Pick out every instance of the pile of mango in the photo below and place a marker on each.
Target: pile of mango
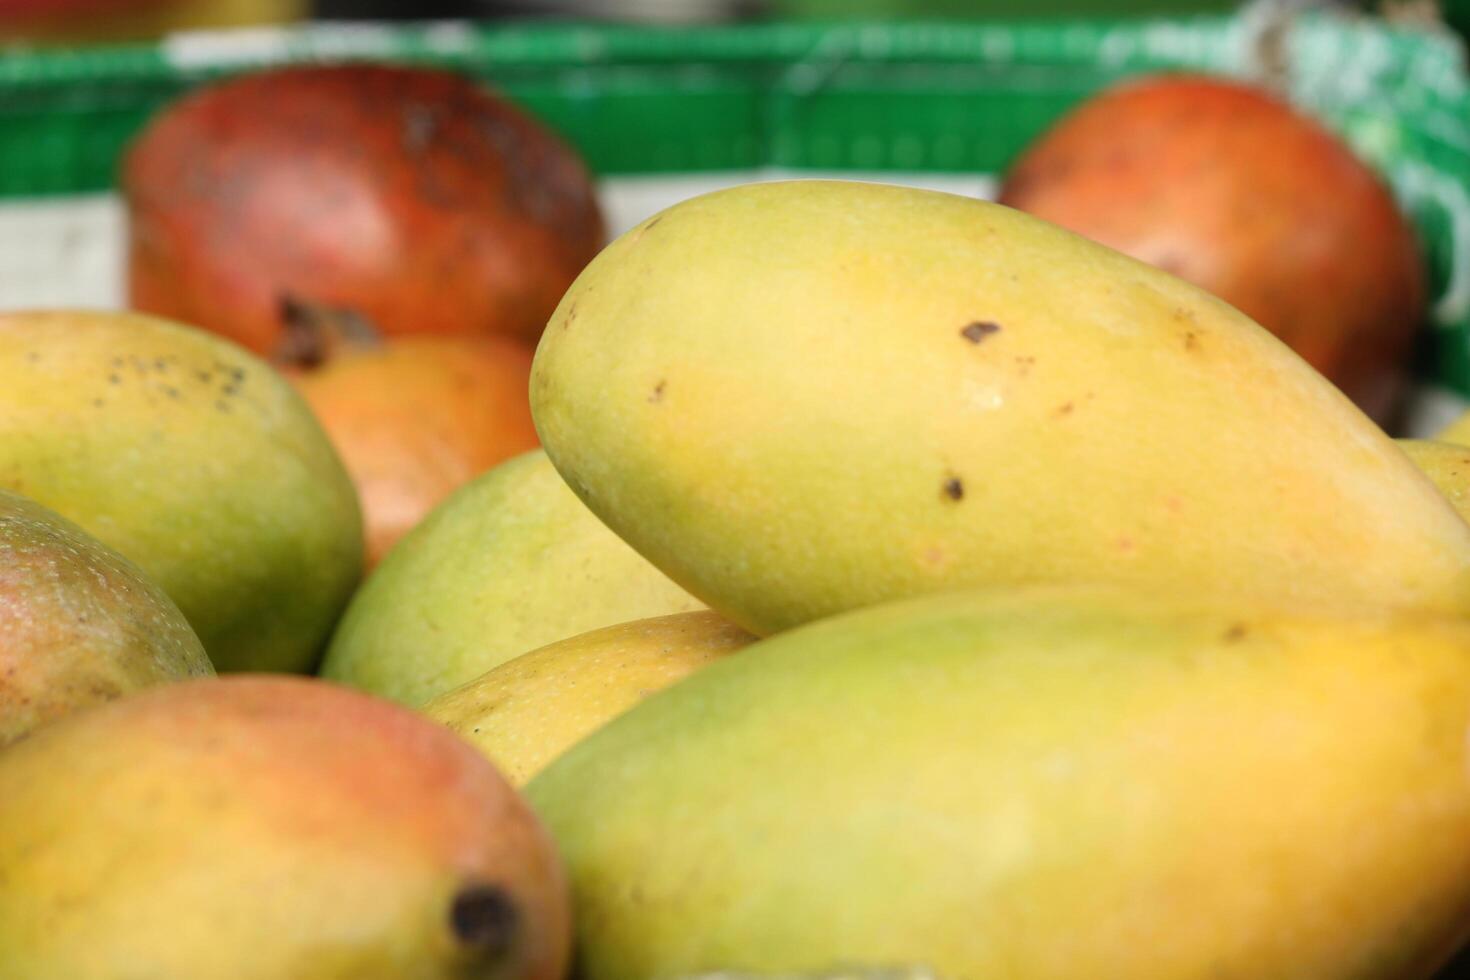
(907, 588)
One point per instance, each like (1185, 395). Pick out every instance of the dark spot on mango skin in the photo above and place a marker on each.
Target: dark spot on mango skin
(658, 391)
(1191, 341)
(978, 330)
(484, 918)
(954, 488)
(1066, 408)
(1235, 633)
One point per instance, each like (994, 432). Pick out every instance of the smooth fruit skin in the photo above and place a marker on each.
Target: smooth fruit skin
(1447, 464)
(510, 562)
(1227, 186)
(194, 460)
(1035, 785)
(804, 397)
(268, 828)
(528, 711)
(412, 198)
(416, 418)
(79, 624)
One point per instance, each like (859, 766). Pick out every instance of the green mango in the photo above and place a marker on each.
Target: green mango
(80, 625)
(803, 397)
(1042, 784)
(510, 562)
(197, 462)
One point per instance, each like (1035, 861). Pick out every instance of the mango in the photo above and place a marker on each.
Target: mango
(510, 562)
(194, 460)
(803, 397)
(1038, 784)
(1447, 464)
(528, 711)
(269, 828)
(79, 624)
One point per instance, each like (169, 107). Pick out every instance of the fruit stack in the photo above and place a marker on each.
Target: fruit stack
(903, 587)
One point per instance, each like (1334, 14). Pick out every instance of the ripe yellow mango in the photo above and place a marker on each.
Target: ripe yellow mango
(197, 462)
(1044, 784)
(1447, 464)
(510, 562)
(526, 712)
(803, 397)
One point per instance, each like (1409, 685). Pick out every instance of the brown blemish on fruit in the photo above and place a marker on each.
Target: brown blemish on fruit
(978, 330)
(658, 391)
(1191, 340)
(1235, 633)
(954, 488)
(1064, 409)
(484, 918)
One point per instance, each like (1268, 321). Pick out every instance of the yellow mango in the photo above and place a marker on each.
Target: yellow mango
(802, 397)
(1445, 463)
(526, 712)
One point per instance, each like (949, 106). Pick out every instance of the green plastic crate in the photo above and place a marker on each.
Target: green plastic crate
(919, 101)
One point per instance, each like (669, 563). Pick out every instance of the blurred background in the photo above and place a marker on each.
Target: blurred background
(42, 21)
